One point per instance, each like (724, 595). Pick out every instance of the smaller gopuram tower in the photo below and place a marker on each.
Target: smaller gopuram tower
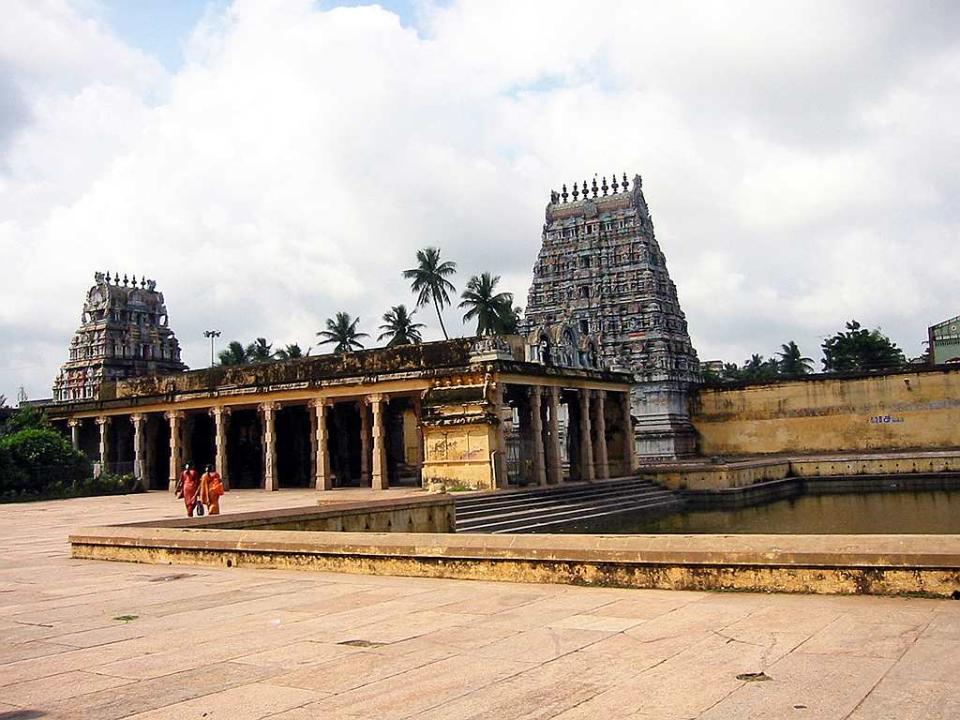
(601, 271)
(123, 333)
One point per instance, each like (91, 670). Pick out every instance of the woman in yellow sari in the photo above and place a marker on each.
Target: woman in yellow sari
(211, 488)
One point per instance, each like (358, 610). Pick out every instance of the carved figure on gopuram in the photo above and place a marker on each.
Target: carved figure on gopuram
(124, 332)
(601, 270)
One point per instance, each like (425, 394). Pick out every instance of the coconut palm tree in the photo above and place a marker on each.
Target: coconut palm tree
(291, 352)
(792, 361)
(398, 325)
(259, 351)
(343, 332)
(489, 307)
(234, 354)
(430, 281)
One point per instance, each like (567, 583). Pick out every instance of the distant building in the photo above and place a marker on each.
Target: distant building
(124, 333)
(713, 366)
(601, 274)
(945, 341)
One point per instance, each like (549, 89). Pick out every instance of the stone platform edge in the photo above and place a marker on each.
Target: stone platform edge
(923, 565)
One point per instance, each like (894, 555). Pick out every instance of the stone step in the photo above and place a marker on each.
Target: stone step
(535, 506)
(568, 517)
(554, 507)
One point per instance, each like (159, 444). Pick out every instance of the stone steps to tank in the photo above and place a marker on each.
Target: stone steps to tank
(546, 509)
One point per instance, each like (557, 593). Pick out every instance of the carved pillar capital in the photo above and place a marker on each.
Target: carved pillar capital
(173, 415)
(103, 420)
(137, 418)
(220, 411)
(269, 407)
(74, 422)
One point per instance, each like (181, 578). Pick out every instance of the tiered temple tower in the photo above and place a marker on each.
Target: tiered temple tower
(123, 333)
(601, 270)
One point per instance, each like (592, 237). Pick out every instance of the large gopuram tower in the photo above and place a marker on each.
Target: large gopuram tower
(123, 333)
(601, 270)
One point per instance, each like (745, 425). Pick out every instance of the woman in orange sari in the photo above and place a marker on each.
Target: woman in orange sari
(211, 488)
(189, 484)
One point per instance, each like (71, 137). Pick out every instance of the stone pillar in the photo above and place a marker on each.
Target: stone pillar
(554, 469)
(378, 477)
(323, 478)
(269, 411)
(600, 459)
(138, 463)
(364, 443)
(536, 432)
(500, 459)
(586, 442)
(221, 418)
(421, 450)
(74, 425)
(174, 417)
(104, 423)
(629, 442)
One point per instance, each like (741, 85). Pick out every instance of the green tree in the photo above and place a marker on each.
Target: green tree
(792, 361)
(36, 459)
(429, 281)
(510, 320)
(758, 368)
(859, 349)
(234, 354)
(25, 418)
(490, 308)
(398, 325)
(259, 351)
(731, 372)
(291, 352)
(343, 332)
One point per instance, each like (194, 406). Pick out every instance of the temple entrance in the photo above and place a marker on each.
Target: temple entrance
(403, 444)
(344, 444)
(89, 436)
(156, 442)
(294, 447)
(199, 440)
(245, 443)
(571, 401)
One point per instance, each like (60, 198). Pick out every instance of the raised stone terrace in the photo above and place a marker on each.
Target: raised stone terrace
(86, 639)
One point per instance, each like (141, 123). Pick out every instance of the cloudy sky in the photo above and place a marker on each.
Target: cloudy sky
(270, 163)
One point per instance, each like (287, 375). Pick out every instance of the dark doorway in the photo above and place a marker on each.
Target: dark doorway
(157, 446)
(90, 439)
(293, 446)
(120, 452)
(200, 440)
(245, 449)
(343, 431)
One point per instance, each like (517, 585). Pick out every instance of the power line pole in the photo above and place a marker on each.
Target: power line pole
(211, 334)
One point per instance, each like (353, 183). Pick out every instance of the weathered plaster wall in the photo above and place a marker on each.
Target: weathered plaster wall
(459, 455)
(894, 411)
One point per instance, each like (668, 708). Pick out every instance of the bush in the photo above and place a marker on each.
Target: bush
(36, 461)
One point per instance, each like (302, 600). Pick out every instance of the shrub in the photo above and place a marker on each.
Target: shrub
(35, 459)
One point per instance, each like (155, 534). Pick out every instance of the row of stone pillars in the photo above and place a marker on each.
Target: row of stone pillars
(594, 460)
(373, 460)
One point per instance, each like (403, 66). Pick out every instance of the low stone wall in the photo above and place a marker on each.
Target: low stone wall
(427, 514)
(706, 476)
(927, 565)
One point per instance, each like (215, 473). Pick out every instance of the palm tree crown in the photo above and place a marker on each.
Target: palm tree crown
(343, 332)
(291, 352)
(792, 361)
(398, 325)
(493, 311)
(233, 355)
(259, 351)
(429, 281)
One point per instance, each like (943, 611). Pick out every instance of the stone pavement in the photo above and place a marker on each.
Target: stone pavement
(83, 639)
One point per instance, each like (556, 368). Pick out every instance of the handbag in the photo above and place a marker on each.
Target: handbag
(198, 508)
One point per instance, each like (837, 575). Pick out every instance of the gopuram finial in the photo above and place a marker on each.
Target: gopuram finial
(143, 281)
(125, 280)
(626, 185)
(564, 194)
(585, 191)
(576, 192)
(116, 278)
(616, 185)
(604, 186)
(594, 187)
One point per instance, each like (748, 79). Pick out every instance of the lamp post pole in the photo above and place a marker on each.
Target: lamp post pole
(211, 334)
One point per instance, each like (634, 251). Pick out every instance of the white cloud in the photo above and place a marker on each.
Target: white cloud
(799, 159)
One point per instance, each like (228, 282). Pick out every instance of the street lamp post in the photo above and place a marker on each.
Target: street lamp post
(211, 334)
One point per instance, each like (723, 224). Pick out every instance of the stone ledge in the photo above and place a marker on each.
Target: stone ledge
(830, 564)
